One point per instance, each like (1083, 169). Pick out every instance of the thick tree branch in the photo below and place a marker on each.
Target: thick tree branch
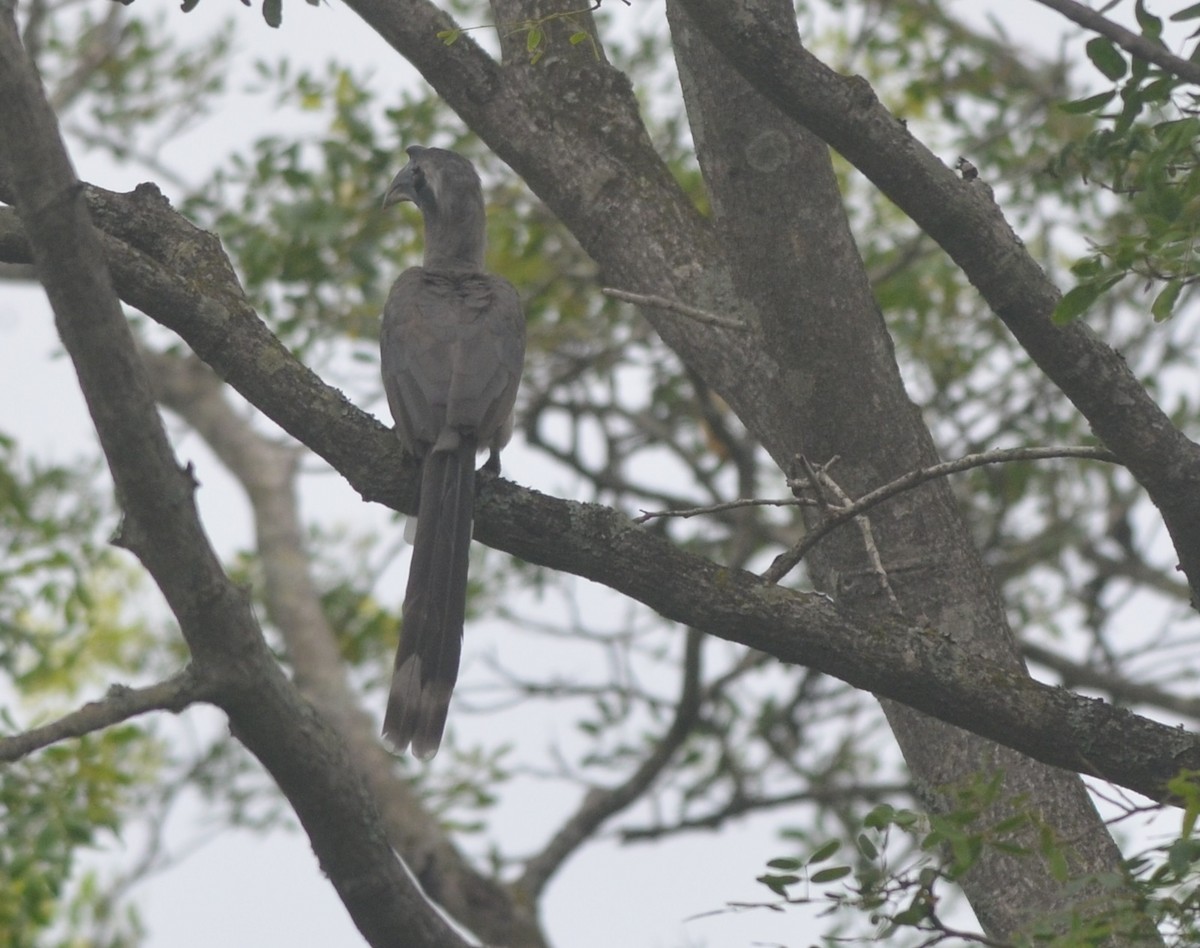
(266, 470)
(1131, 42)
(1122, 689)
(161, 525)
(965, 220)
(120, 704)
(923, 668)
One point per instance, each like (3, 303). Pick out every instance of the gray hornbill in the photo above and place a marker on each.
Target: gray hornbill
(452, 349)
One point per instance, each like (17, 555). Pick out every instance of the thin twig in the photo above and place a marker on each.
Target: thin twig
(904, 482)
(120, 704)
(601, 804)
(787, 560)
(662, 302)
(1131, 42)
(685, 513)
(820, 476)
(811, 473)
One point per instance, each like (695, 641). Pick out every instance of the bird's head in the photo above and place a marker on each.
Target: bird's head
(446, 189)
(431, 175)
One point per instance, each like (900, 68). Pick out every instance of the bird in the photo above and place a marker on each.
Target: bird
(452, 350)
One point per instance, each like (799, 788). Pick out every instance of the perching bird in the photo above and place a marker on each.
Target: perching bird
(452, 349)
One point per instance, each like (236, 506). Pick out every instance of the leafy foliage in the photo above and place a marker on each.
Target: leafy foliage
(1144, 152)
(905, 865)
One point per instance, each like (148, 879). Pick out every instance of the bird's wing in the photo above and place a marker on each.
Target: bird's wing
(489, 361)
(416, 359)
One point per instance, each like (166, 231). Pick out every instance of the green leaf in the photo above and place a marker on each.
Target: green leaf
(832, 874)
(1184, 785)
(1059, 869)
(273, 12)
(866, 847)
(824, 852)
(1180, 856)
(1151, 25)
(1106, 57)
(533, 39)
(786, 864)
(449, 37)
(1092, 103)
(1076, 302)
(778, 884)
(1161, 309)
(581, 37)
(1187, 13)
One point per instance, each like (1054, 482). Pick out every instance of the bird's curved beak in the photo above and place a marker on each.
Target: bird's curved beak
(401, 188)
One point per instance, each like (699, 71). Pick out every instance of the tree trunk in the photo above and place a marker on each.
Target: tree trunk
(796, 268)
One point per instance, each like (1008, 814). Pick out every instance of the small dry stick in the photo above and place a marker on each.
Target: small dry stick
(864, 527)
(688, 512)
(675, 306)
(839, 515)
(786, 561)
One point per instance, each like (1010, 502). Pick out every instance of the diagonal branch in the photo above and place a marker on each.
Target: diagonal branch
(162, 527)
(835, 516)
(1131, 42)
(599, 805)
(120, 704)
(920, 667)
(661, 302)
(266, 470)
(964, 219)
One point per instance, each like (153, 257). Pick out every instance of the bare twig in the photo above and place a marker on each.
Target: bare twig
(120, 704)
(739, 806)
(787, 561)
(819, 481)
(685, 513)
(599, 805)
(662, 302)
(1131, 42)
(820, 476)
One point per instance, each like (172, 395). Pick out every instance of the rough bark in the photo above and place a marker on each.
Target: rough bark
(962, 216)
(917, 664)
(161, 527)
(788, 243)
(570, 127)
(266, 469)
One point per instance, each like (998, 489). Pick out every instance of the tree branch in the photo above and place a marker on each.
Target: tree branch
(599, 805)
(836, 515)
(674, 306)
(1121, 689)
(266, 471)
(919, 667)
(1132, 43)
(820, 794)
(964, 219)
(161, 525)
(120, 704)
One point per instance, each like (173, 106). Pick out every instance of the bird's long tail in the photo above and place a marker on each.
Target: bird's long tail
(434, 603)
